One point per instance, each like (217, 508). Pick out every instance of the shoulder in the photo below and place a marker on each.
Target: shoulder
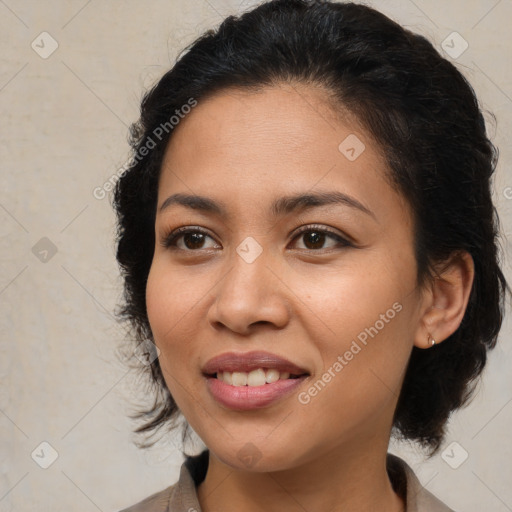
(405, 481)
(157, 502)
(182, 495)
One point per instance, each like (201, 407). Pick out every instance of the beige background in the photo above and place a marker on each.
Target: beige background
(64, 125)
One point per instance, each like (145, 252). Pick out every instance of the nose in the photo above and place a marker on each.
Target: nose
(250, 293)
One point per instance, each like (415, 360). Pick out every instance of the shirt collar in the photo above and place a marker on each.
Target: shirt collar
(183, 495)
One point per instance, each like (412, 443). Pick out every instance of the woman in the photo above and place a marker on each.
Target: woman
(307, 236)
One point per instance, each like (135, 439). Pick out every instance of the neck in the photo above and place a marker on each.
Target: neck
(344, 479)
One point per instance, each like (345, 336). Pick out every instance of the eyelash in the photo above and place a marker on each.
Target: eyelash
(169, 241)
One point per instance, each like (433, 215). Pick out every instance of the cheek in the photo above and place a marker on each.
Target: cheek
(366, 288)
(166, 310)
(361, 375)
(158, 301)
(370, 313)
(169, 299)
(173, 301)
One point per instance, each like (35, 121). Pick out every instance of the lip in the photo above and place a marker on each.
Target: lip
(245, 398)
(248, 361)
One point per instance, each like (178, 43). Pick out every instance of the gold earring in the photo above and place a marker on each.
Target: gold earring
(431, 340)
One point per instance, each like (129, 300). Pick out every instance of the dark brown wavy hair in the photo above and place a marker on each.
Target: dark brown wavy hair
(426, 118)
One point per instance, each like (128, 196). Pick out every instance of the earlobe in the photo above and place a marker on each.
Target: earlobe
(448, 297)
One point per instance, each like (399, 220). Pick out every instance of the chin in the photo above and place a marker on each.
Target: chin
(255, 456)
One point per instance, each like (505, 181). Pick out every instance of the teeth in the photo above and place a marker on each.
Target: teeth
(272, 376)
(254, 378)
(239, 378)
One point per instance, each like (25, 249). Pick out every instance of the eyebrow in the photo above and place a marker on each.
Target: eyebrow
(281, 206)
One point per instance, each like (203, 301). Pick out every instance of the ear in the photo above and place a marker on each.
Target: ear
(445, 300)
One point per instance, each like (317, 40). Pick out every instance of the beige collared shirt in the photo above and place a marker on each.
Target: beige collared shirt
(182, 496)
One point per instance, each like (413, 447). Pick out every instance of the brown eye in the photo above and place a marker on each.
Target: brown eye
(193, 239)
(315, 238)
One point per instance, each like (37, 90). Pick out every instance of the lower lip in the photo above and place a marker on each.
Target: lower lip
(244, 398)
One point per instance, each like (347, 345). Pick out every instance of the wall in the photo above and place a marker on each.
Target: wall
(64, 123)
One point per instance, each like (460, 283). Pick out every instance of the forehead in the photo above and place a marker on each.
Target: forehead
(291, 118)
(247, 146)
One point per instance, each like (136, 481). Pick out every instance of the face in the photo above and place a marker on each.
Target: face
(328, 285)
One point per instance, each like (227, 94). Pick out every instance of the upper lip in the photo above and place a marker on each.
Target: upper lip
(248, 361)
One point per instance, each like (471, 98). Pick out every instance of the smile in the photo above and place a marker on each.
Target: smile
(255, 378)
(251, 380)
(245, 397)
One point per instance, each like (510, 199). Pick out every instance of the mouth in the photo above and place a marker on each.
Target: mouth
(255, 368)
(257, 377)
(251, 380)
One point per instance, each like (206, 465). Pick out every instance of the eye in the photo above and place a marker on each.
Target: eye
(315, 236)
(193, 238)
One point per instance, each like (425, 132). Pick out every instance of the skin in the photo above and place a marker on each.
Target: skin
(299, 300)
